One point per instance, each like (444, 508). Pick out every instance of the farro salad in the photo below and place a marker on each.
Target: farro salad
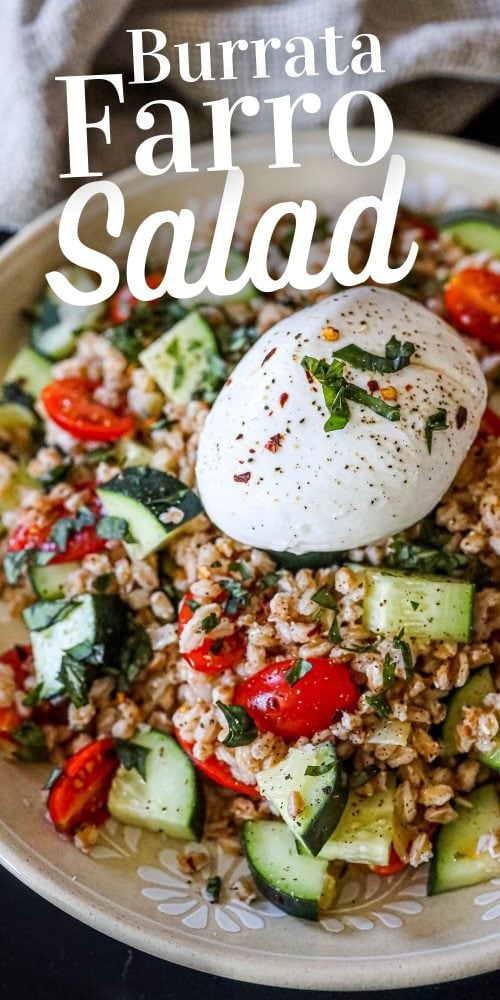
(256, 546)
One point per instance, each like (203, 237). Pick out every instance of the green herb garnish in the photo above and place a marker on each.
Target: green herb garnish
(325, 598)
(237, 596)
(113, 527)
(297, 671)
(315, 770)
(134, 656)
(334, 631)
(388, 670)
(34, 696)
(404, 648)
(66, 527)
(132, 755)
(213, 888)
(210, 622)
(242, 729)
(241, 568)
(192, 605)
(397, 356)
(436, 422)
(31, 743)
(57, 474)
(402, 554)
(379, 704)
(337, 391)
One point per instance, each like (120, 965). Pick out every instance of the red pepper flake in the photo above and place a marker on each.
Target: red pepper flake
(408, 388)
(308, 376)
(243, 477)
(373, 385)
(314, 630)
(271, 352)
(274, 443)
(283, 398)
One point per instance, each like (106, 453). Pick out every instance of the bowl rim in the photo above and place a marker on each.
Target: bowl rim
(223, 958)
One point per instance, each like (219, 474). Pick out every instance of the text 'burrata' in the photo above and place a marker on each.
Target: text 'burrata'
(271, 476)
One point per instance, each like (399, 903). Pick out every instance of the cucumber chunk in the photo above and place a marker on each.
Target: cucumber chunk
(180, 359)
(20, 479)
(308, 560)
(33, 371)
(13, 416)
(473, 229)
(171, 798)
(431, 606)
(236, 264)
(57, 323)
(49, 582)
(130, 453)
(316, 775)
(143, 497)
(473, 692)
(456, 863)
(97, 620)
(297, 884)
(365, 831)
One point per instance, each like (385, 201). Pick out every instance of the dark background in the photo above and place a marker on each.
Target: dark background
(46, 955)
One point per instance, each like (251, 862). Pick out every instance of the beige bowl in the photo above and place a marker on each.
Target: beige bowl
(383, 932)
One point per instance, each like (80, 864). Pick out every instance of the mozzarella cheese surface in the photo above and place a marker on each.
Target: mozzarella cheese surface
(270, 476)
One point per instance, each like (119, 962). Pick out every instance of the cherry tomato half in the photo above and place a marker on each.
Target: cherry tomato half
(490, 423)
(300, 709)
(69, 403)
(80, 793)
(218, 771)
(213, 654)
(123, 301)
(472, 298)
(36, 536)
(394, 865)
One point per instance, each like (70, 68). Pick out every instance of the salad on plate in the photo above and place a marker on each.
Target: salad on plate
(256, 547)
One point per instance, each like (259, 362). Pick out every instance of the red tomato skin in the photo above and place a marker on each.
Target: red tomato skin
(490, 423)
(123, 301)
(407, 220)
(36, 536)
(472, 298)
(218, 771)
(203, 659)
(304, 708)
(69, 403)
(80, 793)
(395, 865)
(19, 659)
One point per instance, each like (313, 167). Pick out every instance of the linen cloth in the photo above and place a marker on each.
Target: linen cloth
(441, 62)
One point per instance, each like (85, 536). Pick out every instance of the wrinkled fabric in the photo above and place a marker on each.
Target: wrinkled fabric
(441, 65)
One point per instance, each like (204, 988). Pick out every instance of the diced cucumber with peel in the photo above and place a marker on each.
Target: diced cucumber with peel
(365, 830)
(29, 368)
(473, 228)
(474, 691)
(390, 732)
(13, 416)
(20, 480)
(57, 323)
(429, 606)
(236, 264)
(170, 799)
(298, 884)
(49, 582)
(456, 862)
(99, 620)
(144, 499)
(180, 358)
(315, 775)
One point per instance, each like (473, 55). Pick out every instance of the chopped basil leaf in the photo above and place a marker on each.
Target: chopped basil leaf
(131, 755)
(66, 527)
(364, 647)
(402, 554)
(325, 598)
(415, 605)
(31, 744)
(357, 395)
(401, 644)
(112, 527)
(397, 356)
(214, 376)
(97, 455)
(43, 614)
(379, 704)
(13, 392)
(14, 563)
(237, 598)
(33, 696)
(268, 580)
(242, 729)
(52, 778)
(163, 424)
(334, 631)
(315, 770)
(213, 888)
(336, 392)
(436, 422)
(57, 474)
(362, 777)
(192, 605)
(234, 343)
(210, 622)
(297, 671)
(102, 582)
(388, 670)
(241, 568)
(134, 656)
(78, 671)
